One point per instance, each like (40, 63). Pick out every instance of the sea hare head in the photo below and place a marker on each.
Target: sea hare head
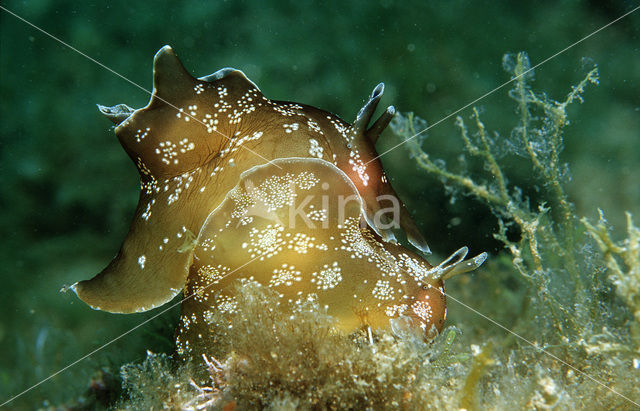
(217, 159)
(188, 121)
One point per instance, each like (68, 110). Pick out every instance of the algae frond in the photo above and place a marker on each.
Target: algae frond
(622, 259)
(552, 253)
(279, 358)
(568, 263)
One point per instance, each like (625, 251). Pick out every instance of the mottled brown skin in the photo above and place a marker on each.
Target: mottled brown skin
(191, 145)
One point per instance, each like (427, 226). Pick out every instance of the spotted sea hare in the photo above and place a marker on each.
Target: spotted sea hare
(235, 186)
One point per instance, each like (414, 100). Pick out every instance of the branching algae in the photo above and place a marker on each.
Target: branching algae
(554, 253)
(299, 360)
(552, 243)
(622, 260)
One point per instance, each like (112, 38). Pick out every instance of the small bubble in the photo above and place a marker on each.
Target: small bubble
(455, 221)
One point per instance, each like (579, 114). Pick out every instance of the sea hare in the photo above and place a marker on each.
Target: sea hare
(276, 192)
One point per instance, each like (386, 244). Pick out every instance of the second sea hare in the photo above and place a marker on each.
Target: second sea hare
(280, 193)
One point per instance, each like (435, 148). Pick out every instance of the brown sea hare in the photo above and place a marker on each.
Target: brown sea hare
(280, 193)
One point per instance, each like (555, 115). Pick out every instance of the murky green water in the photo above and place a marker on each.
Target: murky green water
(68, 190)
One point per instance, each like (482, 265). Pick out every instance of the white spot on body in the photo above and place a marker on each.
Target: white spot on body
(290, 128)
(141, 134)
(286, 275)
(423, 310)
(382, 290)
(329, 277)
(315, 150)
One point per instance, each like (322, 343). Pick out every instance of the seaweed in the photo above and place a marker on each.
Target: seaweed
(551, 252)
(285, 358)
(622, 259)
(568, 263)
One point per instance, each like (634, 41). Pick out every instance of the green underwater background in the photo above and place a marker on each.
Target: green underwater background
(521, 173)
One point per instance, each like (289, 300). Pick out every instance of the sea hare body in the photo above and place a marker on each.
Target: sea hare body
(281, 193)
(294, 225)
